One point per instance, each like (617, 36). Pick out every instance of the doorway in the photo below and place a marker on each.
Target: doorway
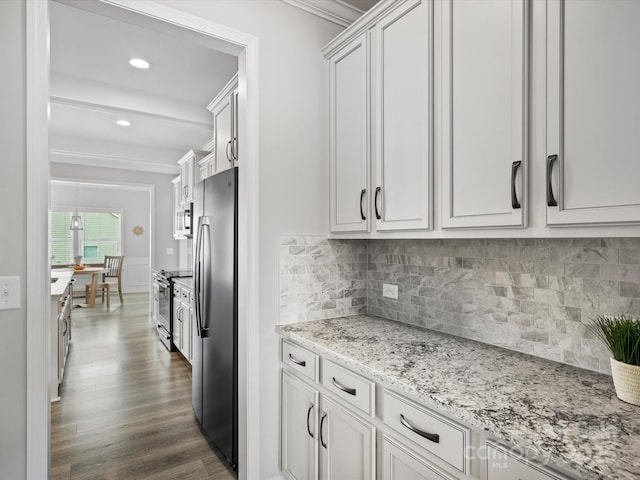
(243, 45)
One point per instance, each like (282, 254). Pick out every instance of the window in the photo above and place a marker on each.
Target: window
(102, 235)
(61, 238)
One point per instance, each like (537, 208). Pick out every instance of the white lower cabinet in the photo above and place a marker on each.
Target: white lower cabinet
(400, 463)
(299, 427)
(348, 444)
(326, 435)
(505, 465)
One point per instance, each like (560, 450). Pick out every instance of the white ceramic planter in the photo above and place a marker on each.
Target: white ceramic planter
(626, 379)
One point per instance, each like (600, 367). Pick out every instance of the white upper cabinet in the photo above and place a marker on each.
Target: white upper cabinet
(482, 123)
(593, 112)
(349, 136)
(225, 126)
(402, 46)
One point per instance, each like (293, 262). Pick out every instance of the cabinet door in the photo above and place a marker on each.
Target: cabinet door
(186, 317)
(400, 463)
(234, 126)
(403, 132)
(593, 110)
(187, 179)
(483, 114)
(177, 323)
(222, 134)
(348, 444)
(156, 302)
(349, 137)
(177, 202)
(299, 428)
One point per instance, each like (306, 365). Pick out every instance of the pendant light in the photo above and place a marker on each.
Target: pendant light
(76, 220)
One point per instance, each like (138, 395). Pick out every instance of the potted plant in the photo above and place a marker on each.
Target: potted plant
(621, 335)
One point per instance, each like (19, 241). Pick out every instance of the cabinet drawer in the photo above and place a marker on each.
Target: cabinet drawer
(503, 465)
(400, 463)
(176, 291)
(435, 433)
(349, 386)
(300, 359)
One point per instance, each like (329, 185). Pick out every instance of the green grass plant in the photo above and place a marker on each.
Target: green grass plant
(621, 335)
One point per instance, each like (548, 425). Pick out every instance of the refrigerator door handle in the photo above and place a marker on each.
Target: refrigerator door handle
(205, 254)
(206, 270)
(198, 277)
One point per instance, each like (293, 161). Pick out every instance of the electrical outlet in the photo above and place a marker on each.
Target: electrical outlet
(169, 251)
(9, 293)
(390, 291)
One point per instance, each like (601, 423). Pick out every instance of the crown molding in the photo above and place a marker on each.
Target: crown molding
(109, 161)
(99, 107)
(336, 11)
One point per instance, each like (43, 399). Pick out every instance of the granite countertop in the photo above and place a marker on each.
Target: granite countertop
(569, 415)
(64, 276)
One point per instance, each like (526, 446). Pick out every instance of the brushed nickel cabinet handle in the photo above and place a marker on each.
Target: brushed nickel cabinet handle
(433, 437)
(515, 204)
(321, 437)
(350, 391)
(302, 363)
(308, 414)
(551, 200)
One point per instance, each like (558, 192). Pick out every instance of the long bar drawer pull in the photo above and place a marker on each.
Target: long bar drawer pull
(433, 437)
(302, 363)
(350, 391)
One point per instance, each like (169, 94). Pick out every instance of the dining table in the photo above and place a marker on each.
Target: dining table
(95, 272)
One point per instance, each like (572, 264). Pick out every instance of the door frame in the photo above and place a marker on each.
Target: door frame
(37, 200)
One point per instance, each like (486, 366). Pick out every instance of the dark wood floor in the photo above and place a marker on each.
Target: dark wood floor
(125, 409)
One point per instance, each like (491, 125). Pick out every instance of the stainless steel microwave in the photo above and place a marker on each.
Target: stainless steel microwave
(183, 221)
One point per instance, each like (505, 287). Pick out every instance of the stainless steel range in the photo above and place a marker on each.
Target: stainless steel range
(163, 286)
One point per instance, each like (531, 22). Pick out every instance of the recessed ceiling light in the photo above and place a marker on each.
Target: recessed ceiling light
(139, 63)
(124, 123)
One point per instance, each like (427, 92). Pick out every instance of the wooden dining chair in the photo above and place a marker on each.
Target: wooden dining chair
(113, 265)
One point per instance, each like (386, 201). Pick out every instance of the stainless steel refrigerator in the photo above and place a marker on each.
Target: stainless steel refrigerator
(215, 353)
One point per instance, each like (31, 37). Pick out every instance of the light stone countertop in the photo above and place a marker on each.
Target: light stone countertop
(64, 276)
(569, 415)
(186, 282)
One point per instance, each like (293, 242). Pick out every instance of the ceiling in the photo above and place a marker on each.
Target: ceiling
(93, 85)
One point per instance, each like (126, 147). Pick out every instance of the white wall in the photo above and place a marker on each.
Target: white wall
(12, 239)
(136, 211)
(293, 155)
(163, 203)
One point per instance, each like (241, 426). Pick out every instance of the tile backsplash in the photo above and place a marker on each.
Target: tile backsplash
(530, 295)
(322, 278)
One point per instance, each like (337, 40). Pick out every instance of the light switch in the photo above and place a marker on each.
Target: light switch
(9, 293)
(390, 291)
(169, 251)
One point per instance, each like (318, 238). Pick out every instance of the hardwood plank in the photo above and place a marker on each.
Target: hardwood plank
(125, 409)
